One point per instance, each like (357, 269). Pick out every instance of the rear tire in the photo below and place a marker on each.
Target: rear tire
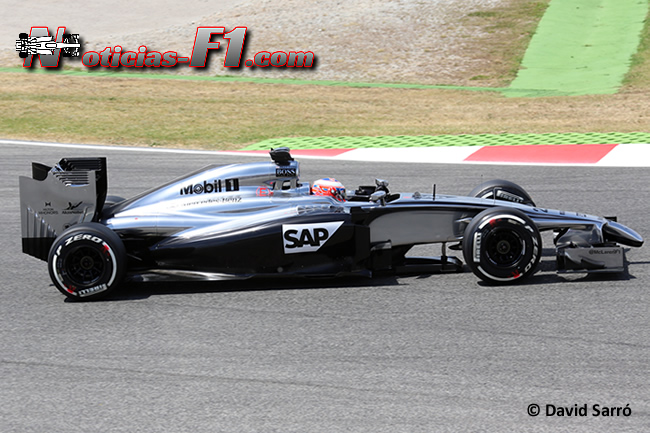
(505, 190)
(87, 261)
(502, 246)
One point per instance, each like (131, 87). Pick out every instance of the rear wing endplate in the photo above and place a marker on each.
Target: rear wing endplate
(55, 198)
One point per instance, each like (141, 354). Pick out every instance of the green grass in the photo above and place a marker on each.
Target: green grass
(233, 115)
(451, 140)
(509, 29)
(638, 77)
(235, 112)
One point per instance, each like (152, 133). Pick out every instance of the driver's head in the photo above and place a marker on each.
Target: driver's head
(329, 187)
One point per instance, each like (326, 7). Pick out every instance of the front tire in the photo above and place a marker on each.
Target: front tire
(87, 261)
(502, 246)
(499, 189)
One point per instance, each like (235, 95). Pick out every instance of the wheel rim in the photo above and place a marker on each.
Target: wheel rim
(504, 248)
(85, 266)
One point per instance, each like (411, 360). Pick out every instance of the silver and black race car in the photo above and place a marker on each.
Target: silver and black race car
(46, 45)
(258, 220)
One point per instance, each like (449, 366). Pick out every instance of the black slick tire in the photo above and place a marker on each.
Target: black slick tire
(505, 190)
(502, 246)
(87, 261)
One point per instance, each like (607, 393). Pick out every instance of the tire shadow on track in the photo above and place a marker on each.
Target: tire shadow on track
(545, 276)
(547, 267)
(131, 291)
(566, 278)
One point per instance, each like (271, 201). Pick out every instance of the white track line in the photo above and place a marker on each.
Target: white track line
(442, 155)
(627, 155)
(623, 155)
(122, 148)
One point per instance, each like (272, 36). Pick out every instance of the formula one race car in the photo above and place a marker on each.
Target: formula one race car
(45, 45)
(258, 220)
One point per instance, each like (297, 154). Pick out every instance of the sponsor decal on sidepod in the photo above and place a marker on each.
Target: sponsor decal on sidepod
(307, 238)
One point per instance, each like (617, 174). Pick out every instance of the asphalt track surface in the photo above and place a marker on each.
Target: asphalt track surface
(439, 353)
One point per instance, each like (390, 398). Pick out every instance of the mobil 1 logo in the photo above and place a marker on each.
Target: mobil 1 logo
(307, 238)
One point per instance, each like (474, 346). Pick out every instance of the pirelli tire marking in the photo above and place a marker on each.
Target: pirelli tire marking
(90, 290)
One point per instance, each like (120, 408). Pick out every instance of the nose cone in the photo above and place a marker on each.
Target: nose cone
(616, 232)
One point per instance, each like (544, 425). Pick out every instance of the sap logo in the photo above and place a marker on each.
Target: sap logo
(306, 238)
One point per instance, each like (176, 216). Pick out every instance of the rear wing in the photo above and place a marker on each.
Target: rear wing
(55, 198)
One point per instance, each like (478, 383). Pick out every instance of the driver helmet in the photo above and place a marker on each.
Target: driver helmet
(329, 187)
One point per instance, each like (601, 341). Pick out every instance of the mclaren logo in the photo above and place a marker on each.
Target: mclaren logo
(307, 238)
